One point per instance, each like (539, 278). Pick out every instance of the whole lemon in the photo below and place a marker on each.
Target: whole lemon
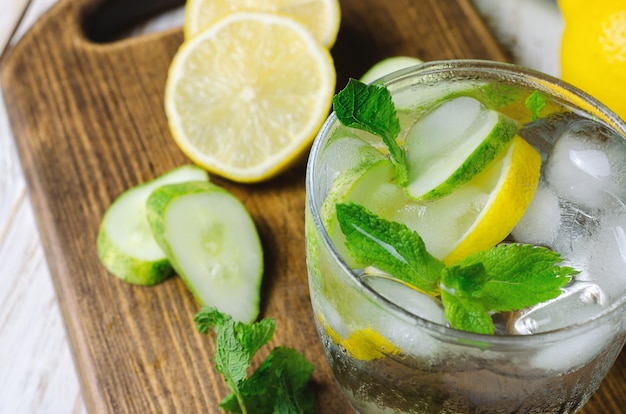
(593, 49)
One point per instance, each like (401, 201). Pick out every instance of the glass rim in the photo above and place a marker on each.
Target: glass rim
(529, 77)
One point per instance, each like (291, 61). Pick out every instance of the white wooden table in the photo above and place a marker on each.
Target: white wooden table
(37, 373)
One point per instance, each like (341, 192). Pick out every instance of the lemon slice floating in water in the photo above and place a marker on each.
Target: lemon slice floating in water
(510, 183)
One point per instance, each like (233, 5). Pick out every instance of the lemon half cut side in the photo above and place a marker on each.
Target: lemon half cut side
(245, 98)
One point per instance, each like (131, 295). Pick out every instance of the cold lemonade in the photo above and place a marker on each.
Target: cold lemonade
(477, 263)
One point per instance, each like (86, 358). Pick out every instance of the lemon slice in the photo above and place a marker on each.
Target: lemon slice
(482, 212)
(320, 17)
(245, 98)
(367, 344)
(509, 184)
(363, 344)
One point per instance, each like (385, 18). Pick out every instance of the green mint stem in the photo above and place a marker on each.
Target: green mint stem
(370, 108)
(240, 401)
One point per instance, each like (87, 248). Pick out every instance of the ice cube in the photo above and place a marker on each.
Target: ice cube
(566, 356)
(410, 339)
(607, 252)
(579, 302)
(343, 153)
(577, 227)
(540, 223)
(419, 304)
(346, 152)
(587, 166)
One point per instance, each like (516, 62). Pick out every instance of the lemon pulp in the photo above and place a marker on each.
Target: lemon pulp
(245, 98)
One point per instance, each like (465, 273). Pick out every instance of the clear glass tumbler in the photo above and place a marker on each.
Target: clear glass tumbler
(391, 351)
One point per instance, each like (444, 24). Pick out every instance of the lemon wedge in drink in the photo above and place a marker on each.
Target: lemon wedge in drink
(320, 17)
(453, 143)
(367, 344)
(363, 344)
(245, 98)
(514, 178)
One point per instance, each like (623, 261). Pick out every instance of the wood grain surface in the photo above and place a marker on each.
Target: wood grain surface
(86, 108)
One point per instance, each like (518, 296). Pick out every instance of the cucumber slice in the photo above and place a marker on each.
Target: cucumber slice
(370, 185)
(212, 243)
(387, 66)
(453, 143)
(125, 243)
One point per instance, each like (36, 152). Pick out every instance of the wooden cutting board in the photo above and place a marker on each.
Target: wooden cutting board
(86, 108)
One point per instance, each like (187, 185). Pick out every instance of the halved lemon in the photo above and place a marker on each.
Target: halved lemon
(320, 17)
(245, 98)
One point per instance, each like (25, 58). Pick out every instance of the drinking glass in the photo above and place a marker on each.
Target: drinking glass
(389, 348)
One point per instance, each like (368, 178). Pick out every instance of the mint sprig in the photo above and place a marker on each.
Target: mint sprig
(506, 277)
(389, 246)
(370, 108)
(279, 385)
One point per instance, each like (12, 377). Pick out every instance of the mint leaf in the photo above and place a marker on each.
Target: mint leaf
(253, 337)
(519, 276)
(207, 318)
(461, 293)
(388, 246)
(370, 108)
(231, 358)
(292, 372)
(279, 385)
(504, 278)
(467, 281)
(535, 104)
(467, 315)
(282, 380)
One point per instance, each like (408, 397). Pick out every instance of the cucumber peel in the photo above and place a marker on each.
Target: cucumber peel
(125, 244)
(212, 242)
(387, 66)
(452, 144)
(369, 184)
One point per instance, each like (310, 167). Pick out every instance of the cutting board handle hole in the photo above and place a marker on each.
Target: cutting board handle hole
(113, 20)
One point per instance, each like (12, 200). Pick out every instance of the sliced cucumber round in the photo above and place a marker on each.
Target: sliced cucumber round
(387, 66)
(212, 243)
(125, 243)
(453, 143)
(370, 185)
